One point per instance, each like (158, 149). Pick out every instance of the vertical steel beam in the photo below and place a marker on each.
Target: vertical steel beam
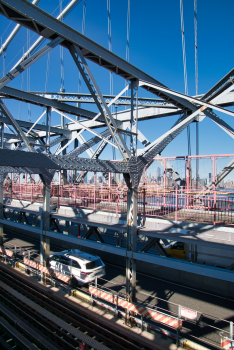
(44, 250)
(131, 244)
(197, 154)
(45, 240)
(134, 117)
(46, 206)
(48, 121)
(2, 134)
(1, 235)
(64, 152)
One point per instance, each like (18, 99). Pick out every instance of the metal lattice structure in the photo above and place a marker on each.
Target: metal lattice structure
(39, 139)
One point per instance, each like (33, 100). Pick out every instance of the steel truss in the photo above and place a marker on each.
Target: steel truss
(38, 138)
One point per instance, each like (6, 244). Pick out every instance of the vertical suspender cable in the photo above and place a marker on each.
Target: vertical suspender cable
(3, 69)
(22, 87)
(61, 54)
(76, 142)
(128, 31)
(196, 81)
(47, 77)
(109, 42)
(185, 67)
(183, 47)
(28, 75)
(83, 31)
(127, 47)
(196, 61)
(110, 49)
(65, 174)
(3, 65)
(47, 71)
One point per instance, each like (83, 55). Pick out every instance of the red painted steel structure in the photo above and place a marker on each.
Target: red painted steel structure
(208, 204)
(156, 315)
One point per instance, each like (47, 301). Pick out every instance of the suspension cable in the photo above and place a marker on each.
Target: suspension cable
(183, 47)
(196, 60)
(185, 67)
(110, 49)
(109, 43)
(196, 82)
(28, 75)
(61, 53)
(22, 87)
(47, 71)
(83, 31)
(128, 31)
(127, 47)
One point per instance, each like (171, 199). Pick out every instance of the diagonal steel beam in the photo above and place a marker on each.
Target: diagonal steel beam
(13, 33)
(194, 100)
(39, 127)
(82, 141)
(96, 93)
(16, 125)
(95, 155)
(87, 128)
(27, 15)
(41, 38)
(24, 13)
(46, 174)
(220, 86)
(220, 122)
(223, 173)
(28, 62)
(92, 142)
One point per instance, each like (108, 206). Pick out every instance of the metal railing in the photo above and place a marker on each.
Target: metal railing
(221, 329)
(207, 206)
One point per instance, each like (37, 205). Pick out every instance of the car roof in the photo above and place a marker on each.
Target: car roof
(78, 254)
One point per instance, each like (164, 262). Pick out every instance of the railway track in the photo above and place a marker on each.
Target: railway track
(200, 331)
(35, 319)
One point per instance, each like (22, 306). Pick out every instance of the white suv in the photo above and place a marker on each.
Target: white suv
(81, 266)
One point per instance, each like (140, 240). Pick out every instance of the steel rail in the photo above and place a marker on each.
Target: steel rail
(188, 327)
(39, 322)
(66, 312)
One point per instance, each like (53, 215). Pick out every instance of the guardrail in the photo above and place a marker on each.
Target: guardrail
(140, 310)
(210, 206)
(115, 302)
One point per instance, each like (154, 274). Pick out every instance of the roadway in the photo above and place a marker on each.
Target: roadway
(152, 291)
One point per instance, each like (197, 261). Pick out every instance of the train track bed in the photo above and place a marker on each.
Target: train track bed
(46, 319)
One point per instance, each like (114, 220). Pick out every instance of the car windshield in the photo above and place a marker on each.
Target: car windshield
(93, 264)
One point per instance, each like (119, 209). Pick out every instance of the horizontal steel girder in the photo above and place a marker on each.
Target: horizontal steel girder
(177, 264)
(42, 23)
(123, 101)
(87, 98)
(9, 158)
(45, 102)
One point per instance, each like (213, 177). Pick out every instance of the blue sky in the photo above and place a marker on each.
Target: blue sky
(155, 47)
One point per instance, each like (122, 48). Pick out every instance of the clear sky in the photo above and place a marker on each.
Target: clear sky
(155, 47)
